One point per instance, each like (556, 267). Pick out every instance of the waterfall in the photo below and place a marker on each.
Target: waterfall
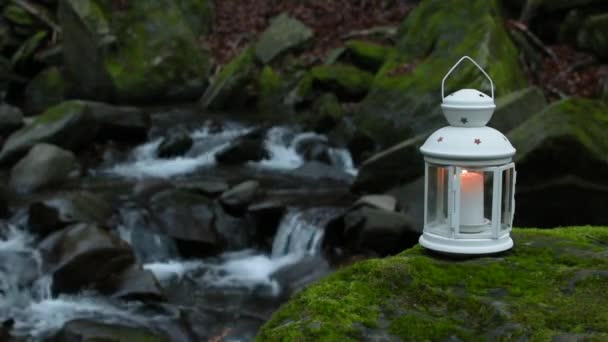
(300, 232)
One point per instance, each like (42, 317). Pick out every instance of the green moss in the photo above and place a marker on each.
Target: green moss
(528, 292)
(232, 78)
(346, 80)
(368, 55)
(405, 94)
(60, 111)
(270, 95)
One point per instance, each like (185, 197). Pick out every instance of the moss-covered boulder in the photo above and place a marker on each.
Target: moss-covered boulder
(227, 88)
(271, 92)
(69, 125)
(346, 81)
(593, 35)
(139, 50)
(562, 162)
(405, 95)
(516, 107)
(283, 34)
(367, 55)
(47, 89)
(551, 285)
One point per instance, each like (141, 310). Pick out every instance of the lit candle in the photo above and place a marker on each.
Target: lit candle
(471, 198)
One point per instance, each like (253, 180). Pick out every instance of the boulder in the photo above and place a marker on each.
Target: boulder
(84, 256)
(188, 218)
(562, 155)
(135, 52)
(593, 35)
(175, 145)
(11, 119)
(315, 148)
(553, 275)
(283, 34)
(404, 97)
(516, 107)
(382, 202)
(88, 330)
(120, 123)
(249, 147)
(45, 90)
(241, 195)
(235, 231)
(68, 125)
(326, 113)
(294, 277)
(383, 232)
(43, 166)
(266, 216)
(58, 212)
(346, 81)
(210, 188)
(227, 88)
(399, 164)
(272, 89)
(134, 283)
(318, 171)
(367, 55)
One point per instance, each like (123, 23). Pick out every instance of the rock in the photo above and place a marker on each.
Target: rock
(367, 55)
(382, 202)
(26, 175)
(383, 232)
(272, 89)
(314, 148)
(346, 81)
(84, 256)
(120, 123)
(397, 165)
(139, 51)
(50, 215)
(404, 99)
(326, 113)
(249, 147)
(45, 90)
(292, 278)
(89, 331)
(188, 218)
(320, 171)
(267, 216)
(283, 34)
(489, 291)
(210, 188)
(69, 125)
(516, 107)
(227, 89)
(236, 232)
(175, 145)
(146, 188)
(135, 283)
(593, 35)
(11, 119)
(561, 163)
(241, 195)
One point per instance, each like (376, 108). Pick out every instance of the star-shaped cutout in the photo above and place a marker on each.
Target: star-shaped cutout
(440, 139)
(464, 120)
(477, 141)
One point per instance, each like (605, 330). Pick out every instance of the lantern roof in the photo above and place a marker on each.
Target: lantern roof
(468, 98)
(468, 146)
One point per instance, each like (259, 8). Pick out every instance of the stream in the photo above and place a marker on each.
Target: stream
(231, 294)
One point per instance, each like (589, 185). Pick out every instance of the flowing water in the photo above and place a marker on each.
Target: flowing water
(230, 284)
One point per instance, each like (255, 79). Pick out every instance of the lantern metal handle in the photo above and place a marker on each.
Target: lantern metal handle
(454, 67)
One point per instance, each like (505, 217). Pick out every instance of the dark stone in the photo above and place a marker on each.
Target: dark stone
(267, 217)
(45, 90)
(175, 145)
(146, 188)
(241, 195)
(294, 277)
(11, 119)
(320, 171)
(235, 231)
(249, 147)
(120, 123)
(210, 188)
(84, 256)
(82, 330)
(26, 175)
(134, 283)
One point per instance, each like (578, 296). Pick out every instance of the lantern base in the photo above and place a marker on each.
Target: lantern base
(465, 246)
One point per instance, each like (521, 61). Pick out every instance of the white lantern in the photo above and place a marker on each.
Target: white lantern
(469, 177)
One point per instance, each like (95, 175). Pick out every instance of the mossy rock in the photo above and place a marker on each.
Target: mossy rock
(227, 89)
(69, 125)
(283, 34)
(405, 95)
(47, 89)
(516, 107)
(593, 35)
(271, 92)
(145, 50)
(367, 55)
(562, 163)
(552, 283)
(346, 81)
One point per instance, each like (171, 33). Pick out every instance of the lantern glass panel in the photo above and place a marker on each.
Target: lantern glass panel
(507, 200)
(437, 200)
